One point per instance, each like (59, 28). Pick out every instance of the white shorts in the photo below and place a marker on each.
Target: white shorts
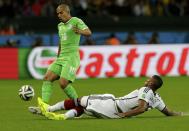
(100, 105)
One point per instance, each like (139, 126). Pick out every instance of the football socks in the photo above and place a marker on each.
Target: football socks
(58, 106)
(70, 92)
(46, 91)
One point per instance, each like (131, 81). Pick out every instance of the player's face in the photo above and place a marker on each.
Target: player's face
(146, 82)
(61, 14)
(150, 82)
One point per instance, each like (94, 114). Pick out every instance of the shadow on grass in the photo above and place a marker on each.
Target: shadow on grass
(85, 117)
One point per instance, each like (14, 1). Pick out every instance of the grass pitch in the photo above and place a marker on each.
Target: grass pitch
(14, 115)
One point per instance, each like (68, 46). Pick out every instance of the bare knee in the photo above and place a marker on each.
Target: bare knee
(50, 76)
(46, 78)
(63, 83)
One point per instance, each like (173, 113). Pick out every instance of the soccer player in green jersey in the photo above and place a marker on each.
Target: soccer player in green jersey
(68, 60)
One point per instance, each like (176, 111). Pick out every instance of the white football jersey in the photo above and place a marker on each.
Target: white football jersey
(130, 101)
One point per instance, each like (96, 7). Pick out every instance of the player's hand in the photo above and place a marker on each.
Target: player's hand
(120, 114)
(76, 30)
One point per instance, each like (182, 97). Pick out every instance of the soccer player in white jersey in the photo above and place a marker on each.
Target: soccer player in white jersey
(107, 106)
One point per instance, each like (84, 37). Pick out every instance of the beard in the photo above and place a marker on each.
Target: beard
(60, 19)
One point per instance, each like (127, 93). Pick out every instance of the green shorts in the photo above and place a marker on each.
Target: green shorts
(66, 66)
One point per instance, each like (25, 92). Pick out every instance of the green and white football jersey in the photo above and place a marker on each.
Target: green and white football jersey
(69, 40)
(68, 62)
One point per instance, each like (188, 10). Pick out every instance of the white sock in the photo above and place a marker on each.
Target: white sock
(58, 106)
(71, 113)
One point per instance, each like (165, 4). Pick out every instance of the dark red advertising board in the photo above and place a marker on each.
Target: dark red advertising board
(9, 63)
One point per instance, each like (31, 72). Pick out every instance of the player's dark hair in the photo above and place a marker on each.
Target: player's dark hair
(159, 81)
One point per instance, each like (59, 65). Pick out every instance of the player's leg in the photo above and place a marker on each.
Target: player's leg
(66, 78)
(50, 76)
(68, 75)
(42, 105)
(74, 107)
(64, 105)
(75, 112)
(100, 105)
(47, 86)
(78, 110)
(44, 110)
(68, 88)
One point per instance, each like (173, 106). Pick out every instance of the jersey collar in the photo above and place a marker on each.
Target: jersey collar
(68, 21)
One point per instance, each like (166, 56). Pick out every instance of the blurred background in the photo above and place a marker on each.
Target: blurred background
(27, 24)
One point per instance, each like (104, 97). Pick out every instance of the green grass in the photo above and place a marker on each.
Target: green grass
(15, 117)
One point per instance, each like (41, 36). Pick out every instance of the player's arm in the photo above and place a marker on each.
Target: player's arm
(168, 112)
(142, 106)
(85, 32)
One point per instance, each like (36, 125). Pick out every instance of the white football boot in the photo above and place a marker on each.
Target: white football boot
(35, 110)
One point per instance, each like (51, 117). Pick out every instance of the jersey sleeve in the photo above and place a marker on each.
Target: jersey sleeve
(81, 25)
(161, 105)
(145, 94)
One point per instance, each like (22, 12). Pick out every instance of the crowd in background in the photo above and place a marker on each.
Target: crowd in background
(106, 39)
(87, 8)
(130, 39)
(16, 8)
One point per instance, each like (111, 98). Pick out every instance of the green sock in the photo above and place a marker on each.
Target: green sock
(70, 92)
(46, 91)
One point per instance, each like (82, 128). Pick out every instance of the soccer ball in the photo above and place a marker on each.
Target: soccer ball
(26, 92)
